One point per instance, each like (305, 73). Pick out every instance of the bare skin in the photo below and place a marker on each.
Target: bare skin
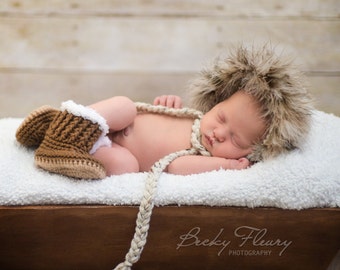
(139, 140)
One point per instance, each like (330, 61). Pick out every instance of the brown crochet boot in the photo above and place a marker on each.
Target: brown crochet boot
(74, 133)
(32, 130)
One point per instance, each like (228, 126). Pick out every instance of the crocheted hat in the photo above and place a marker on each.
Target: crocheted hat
(273, 82)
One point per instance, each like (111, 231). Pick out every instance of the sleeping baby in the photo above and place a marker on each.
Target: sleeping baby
(246, 108)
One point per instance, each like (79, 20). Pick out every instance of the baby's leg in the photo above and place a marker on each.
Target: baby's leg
(119, 112)
(116, 160)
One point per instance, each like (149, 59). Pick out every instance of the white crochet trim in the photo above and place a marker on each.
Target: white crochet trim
(89, 114)
(103, 140)
(145, 209)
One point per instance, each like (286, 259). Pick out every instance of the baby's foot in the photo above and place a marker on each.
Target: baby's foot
(32, 130)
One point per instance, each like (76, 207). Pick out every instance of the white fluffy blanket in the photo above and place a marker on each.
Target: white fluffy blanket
(300, 179)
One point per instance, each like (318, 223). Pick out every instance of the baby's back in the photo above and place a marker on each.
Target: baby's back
(152, 136)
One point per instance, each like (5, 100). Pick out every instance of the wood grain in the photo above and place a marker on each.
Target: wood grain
(158, 44)
(212, 8)
(50, 50)
(97, 237)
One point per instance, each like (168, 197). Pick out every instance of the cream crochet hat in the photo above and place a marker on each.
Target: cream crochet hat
(274, 83)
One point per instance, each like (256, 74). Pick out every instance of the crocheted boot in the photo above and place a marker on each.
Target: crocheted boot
(74, 133)
(32, 130)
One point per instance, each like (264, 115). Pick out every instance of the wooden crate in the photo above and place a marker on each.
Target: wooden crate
(189, 237)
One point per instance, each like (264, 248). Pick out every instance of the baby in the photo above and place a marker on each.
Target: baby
(254, 108)
(138, 140)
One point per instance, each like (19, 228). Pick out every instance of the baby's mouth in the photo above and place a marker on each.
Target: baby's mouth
(209, 140)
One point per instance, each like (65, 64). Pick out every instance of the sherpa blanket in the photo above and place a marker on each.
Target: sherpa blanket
(301, 179)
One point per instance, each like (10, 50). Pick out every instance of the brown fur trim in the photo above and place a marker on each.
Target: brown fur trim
(273, 82)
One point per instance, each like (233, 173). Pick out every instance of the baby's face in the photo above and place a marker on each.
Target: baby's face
(231, 128)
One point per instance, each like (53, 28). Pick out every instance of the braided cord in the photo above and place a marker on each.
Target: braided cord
(183, 112)
(145, 209)
(147, 203)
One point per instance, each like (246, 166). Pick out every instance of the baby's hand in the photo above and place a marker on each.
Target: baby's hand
(168, 101)
(238, 164)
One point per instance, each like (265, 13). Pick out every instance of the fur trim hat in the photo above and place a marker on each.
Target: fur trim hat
(275, 85)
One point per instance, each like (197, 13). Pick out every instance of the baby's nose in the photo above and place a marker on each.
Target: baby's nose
(220, 134)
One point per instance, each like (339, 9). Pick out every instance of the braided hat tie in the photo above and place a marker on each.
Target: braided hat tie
(145, 208)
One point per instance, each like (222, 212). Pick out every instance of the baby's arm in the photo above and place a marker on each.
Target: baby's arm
(170, 101)
(197, 164)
